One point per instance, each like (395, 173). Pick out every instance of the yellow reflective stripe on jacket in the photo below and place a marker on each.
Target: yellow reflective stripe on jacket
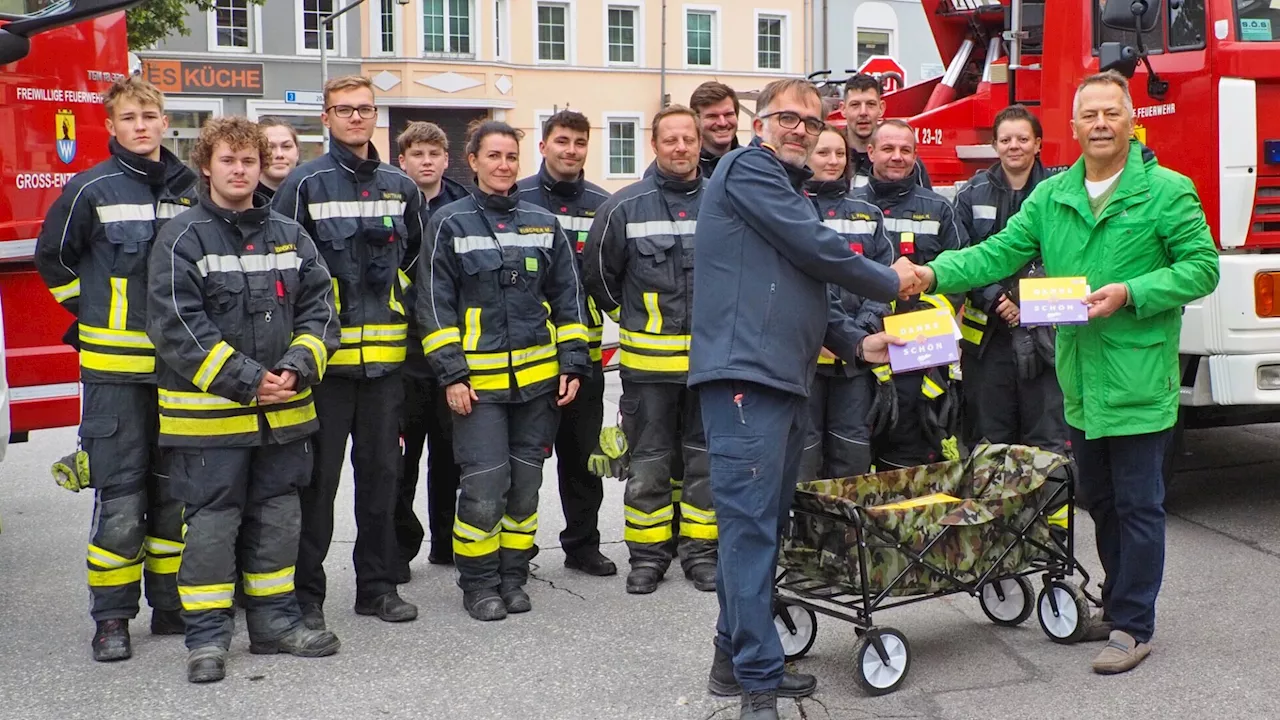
(654, 323)
(318, 351)
(883, 373)
(350, 356)
(133, 339)
(596, 320)
(471, 340)
(337, 299)
(350, 336)
(537, 373)
(268, 584)
(824, 360)
(118, 315)
(208, 427)
(384, 355)
(939, 301)
(117, 577)
(104, 558)
(290, 417)
(440, 338)
(676, 364)
(394, 303)
(63, 293)
(973, 324)
(104, 362)
(197, 401)
(385, 333)
(525, 356)
(470, 541)
(646, 341)
(403, 277)
(206, 597)
(931, 389)
(213, 364)
(571, 331)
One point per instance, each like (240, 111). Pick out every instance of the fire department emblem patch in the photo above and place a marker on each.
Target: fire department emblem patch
(65, 132)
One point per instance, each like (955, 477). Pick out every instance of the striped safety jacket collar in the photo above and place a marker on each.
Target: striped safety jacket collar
(92, 253)
(574, 204)
(232, 296)
(499, 299)
(638, 266)
(367, 219)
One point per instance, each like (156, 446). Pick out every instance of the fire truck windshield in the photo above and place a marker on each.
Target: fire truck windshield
(1259, 20)
(12, 9)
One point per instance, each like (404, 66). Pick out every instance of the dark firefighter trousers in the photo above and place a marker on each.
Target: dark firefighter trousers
(137, 523)
(838, 444)
(581, 493)
(425, 423)
(368, 411)
(1008, 408)
(909, 443)
(249, 496)
(653, 417)
(501, 448)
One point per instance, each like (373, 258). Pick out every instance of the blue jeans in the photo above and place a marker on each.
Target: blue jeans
(755, 436)
(1121, 484)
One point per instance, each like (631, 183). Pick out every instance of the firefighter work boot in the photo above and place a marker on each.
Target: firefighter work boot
(484, 605)
(312, 616)
(206, 664)
(759, 706)
(643, 580)
(167, 622)
(299, 642)
(703, 576)
(590, 561)
(722, 682)
(516, 600)
(111, 641)
(389, 608)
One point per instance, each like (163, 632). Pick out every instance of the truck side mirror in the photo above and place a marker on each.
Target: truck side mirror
(15, 34)
(1131, 15)
(1119, 57)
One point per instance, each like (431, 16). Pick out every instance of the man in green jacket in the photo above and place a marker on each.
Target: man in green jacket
(1137, 231)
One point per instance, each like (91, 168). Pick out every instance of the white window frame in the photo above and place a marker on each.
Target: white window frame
(375, 29)
(256, 109)
(477, 22)
(641, 143)
(785, 45)
(540, 117)
(255, 31)
(876, 17)
(716, 16)
(570, 32)
(300, 34)
(637, 7)
(893, 40)
(502, 17)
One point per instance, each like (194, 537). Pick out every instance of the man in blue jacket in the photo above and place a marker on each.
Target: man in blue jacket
(760, 318)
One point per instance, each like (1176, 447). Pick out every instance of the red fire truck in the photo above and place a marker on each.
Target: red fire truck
(56, 60)
(1205, 77)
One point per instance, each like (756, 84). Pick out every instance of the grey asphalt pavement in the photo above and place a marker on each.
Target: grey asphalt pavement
(589, 651)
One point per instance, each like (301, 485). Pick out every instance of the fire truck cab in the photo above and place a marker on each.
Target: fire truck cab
(56, 59)
(1205, 79)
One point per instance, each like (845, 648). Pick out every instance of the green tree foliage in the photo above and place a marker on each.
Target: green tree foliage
(153, 20)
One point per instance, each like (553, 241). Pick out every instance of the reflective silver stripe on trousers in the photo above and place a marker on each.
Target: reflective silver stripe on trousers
(470, 243)
(249, 263)
(661, 227)
(919, 227)
(125, 213)
(846, 226)
(355, 209)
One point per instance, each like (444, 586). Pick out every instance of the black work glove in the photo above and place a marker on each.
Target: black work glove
(1044, 337)
(1030, 365)
(883, 417)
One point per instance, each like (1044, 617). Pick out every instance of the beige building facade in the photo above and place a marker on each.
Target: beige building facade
(453, 61)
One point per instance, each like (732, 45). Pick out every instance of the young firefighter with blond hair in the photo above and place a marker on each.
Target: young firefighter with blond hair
(92, 253)
(366, 218)
(241, 312)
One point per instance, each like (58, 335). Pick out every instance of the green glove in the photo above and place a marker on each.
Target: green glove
(610, 457)
(72, 471)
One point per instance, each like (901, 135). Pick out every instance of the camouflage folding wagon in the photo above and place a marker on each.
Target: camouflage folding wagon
(979, 526)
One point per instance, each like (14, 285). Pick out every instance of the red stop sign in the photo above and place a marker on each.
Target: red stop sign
(889, 72)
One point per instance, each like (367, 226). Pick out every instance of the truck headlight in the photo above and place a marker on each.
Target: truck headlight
(1269, 377)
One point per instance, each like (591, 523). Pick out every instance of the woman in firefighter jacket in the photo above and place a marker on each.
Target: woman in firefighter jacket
(503, 317)
(240, 309)
(842, 397)
(1011, 390)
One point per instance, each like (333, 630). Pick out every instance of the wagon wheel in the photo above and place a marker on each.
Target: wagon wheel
(797, 629)
(1008, 601)
(882, 669)
(1070, 620)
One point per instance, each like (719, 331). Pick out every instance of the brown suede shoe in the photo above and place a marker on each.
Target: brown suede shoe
(1098, 629)
(1121, 654)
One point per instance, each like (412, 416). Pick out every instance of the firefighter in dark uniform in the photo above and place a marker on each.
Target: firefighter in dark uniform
(840, 401)
(504, 322)
(425, 423)
(1008, 370)
(92, 253)
(366, 218)
(240, 308)
(921, 224)
(560, 188)
(639, 262)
